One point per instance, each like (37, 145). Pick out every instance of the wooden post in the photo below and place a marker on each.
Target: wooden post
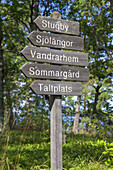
(56, 125)
(56, 134)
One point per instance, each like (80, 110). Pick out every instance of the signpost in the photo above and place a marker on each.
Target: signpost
(57, 88)
(44, 71)
(57, 25)
(56, 40)
(56, 72)
(32, 53)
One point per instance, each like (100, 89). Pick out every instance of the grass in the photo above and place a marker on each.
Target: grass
(30, 150)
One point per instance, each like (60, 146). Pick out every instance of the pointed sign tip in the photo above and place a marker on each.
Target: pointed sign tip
(22, 52)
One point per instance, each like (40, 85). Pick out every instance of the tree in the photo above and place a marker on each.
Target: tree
(95, 19)
(17, 22)
(76, 120)
(1, 77)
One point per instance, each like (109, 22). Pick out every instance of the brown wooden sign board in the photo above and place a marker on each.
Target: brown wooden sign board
(32, 53)
(57, 87)
(57, 25)
(56, 40)
(42, 71)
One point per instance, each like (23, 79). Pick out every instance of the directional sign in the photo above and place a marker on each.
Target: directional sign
(35, 70)
(32, 53)
(57, 88)
(56, 40)
(57, 25)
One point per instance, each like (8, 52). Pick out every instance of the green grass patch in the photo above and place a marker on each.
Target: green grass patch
(31, 150)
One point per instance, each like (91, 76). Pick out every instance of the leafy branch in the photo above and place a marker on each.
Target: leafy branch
(11, 51)
(98, 46)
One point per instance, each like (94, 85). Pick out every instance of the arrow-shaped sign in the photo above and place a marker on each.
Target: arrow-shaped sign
(56, 40)
(57, 87)
(57, 25)
(33, 53)
(35, 70)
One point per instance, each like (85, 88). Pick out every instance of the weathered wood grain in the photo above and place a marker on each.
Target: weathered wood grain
(32, 53)
(56, 40)
(57, 25)
(57, 88)
(42, 71)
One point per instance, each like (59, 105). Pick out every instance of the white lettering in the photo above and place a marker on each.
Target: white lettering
(66, 27)
(75, 59)
(49, 56)
(77, 74)
(69, 59)
(68, 74)
(65, 75)
(31, 69)
(40, 86)
(46, 88)
(70, 89)
(63, 44)
(43, 72)
(37, 72)
(62, 26)
(51, 73)
(68, 43)
(33, 54)
(54, 88)
(38, 40)
(59, 26)
(38, 56)
(45, 40)
(71, 44)
(44, 23)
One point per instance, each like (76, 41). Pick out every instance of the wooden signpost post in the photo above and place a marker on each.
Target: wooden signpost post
(63, 74)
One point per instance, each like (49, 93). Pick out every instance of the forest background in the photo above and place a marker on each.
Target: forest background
(20, 108)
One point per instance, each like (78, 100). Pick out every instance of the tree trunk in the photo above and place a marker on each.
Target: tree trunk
(10, 113)
(76, 120)
(95, 113)
(111, 6)
(34, 13)
(96, 99)
(1, 80)
(9, 108)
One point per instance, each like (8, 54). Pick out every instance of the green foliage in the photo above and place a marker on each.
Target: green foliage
(95, 26)
(31, 150)
(24, 150)
(109, 152)
(95, 19)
